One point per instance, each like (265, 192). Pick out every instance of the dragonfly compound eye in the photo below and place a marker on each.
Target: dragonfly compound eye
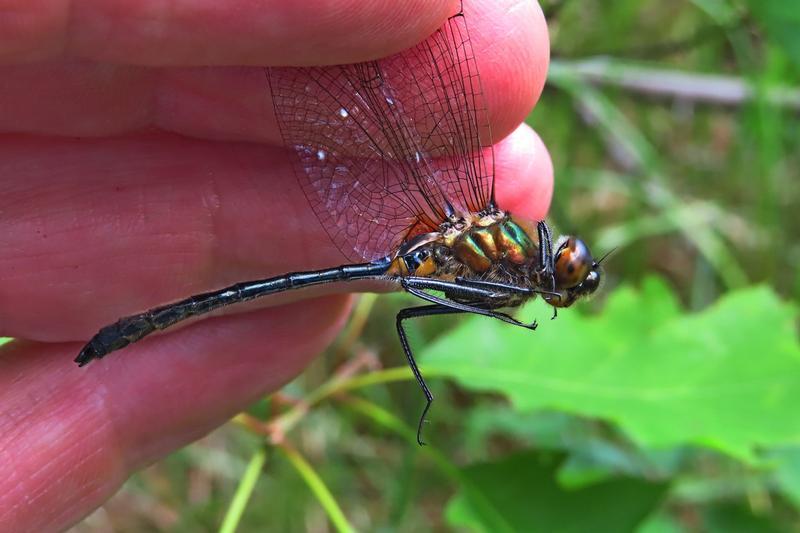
(592, 281)
(573, 263)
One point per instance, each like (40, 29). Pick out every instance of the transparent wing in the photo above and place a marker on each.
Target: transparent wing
(387, 149)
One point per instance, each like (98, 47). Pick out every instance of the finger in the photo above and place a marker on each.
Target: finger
(524, 175)
(94, 230)
(89, 99)
(73, 435)
(204, 32)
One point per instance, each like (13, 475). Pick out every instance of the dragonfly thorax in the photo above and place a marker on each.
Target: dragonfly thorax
(493, 247)
(490, 246)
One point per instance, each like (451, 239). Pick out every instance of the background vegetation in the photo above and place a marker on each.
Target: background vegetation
(668, 403)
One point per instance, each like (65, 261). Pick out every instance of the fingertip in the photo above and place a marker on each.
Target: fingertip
(524, 174)
(512, 46)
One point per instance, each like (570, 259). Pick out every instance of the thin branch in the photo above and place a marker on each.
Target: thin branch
(707, 88)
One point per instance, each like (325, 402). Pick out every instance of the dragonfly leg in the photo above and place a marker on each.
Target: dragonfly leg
(503, 287)
(417, 312)
(417, 287)
(546, 266)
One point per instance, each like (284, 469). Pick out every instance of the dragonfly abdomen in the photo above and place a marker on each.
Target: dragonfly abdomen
(130, 329)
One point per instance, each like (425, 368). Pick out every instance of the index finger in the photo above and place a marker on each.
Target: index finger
(90, 99)
(209, 32)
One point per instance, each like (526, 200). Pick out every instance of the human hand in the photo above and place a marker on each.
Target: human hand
(130, 177)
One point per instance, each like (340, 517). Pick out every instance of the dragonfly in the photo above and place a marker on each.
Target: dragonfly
(395, 159)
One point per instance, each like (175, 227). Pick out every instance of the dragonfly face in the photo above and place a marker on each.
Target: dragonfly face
(576, 273)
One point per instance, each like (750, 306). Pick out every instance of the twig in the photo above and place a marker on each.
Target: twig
(709, 88)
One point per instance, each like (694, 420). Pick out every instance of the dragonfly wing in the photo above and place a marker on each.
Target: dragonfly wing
(387, 149)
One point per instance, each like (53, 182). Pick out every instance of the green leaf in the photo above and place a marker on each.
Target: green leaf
(523, 488)
(732, 518)
(727, 378)
(780, 18)
(787, 472)
(660, 523)
(594, 452)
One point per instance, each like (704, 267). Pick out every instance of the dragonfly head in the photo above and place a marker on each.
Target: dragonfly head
(576, 273)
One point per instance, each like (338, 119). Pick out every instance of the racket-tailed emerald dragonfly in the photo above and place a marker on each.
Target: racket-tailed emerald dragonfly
(395, 159)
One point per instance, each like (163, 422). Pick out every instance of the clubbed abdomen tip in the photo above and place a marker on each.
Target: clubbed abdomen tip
(87, 354)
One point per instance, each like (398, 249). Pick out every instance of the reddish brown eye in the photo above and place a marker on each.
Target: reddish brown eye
(573, 263)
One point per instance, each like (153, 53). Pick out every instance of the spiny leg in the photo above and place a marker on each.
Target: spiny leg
(504, 287)
(546, 253)
(416, 312)
(494, 285)
(418, 286)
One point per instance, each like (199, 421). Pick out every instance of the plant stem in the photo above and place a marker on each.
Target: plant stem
(318, 488)
(243, 491)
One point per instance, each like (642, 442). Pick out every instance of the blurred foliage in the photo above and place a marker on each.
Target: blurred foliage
(666, 404)
(523, 489)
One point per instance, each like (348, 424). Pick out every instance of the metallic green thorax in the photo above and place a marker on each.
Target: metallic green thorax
(502, 241)
(516, 235)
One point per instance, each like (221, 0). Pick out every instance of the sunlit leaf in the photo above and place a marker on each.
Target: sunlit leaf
(726, 378)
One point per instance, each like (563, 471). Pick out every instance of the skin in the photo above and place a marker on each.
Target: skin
(131, 176)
